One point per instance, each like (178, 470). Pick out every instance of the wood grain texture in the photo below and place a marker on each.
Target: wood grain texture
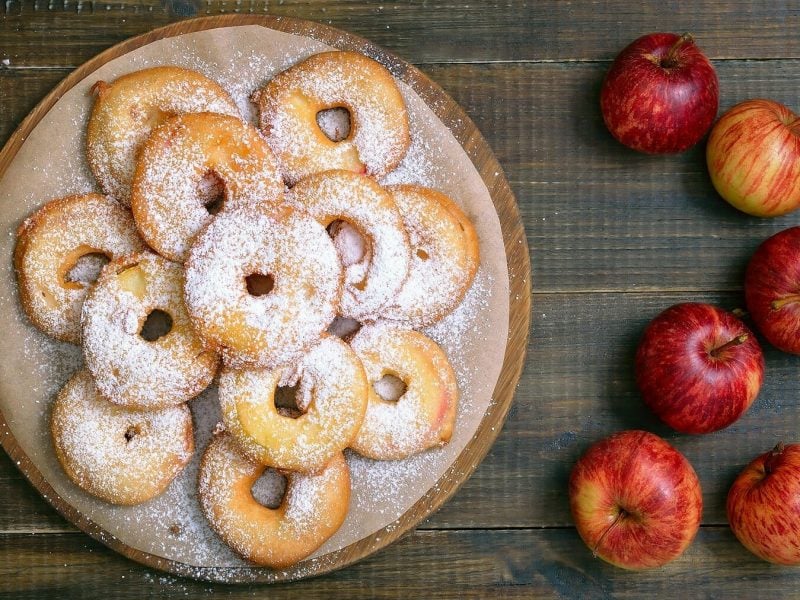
(615, 238)
(517, 258)
(533, 563)
(421, 31)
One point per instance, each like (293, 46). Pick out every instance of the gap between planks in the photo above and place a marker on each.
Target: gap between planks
(642, 291)
(434, 63)
(422, 530)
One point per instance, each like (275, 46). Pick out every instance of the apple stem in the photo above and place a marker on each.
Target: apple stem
(669, 61)
(769, 463)
(778, 304)
(739, 339)
(621, 514)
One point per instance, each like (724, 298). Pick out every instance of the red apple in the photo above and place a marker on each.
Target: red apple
(635, 500)
(764, 505)
(661, 94)
(698, 367)
(772, 289)
(753, 156)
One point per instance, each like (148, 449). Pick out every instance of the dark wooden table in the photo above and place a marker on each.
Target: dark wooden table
(615, 238)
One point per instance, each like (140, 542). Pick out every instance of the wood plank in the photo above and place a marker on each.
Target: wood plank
(420, 32)
(479, 564)
(598, 216)
(578, 387)
(20, 91)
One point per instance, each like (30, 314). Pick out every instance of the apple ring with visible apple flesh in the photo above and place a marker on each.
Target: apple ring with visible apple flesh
(331, 397)
(53, 242)
(413, 393)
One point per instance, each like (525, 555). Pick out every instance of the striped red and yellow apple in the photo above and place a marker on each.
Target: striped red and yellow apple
(764, 505)
(753, 157)
(772, 289)
(635, 500)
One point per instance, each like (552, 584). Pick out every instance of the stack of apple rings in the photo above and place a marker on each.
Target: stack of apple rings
(198, 264)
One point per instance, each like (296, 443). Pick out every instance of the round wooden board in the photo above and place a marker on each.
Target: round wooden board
(519, 273)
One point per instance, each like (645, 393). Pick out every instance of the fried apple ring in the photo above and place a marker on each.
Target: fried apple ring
(289, 103)
(312, 509)
(52, 241)
(127, 110)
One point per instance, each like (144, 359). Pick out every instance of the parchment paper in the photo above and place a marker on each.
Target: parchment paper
(51, 163)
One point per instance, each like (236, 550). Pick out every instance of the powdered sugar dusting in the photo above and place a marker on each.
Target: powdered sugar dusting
(371, 283)
(119, 455)
(444, 256)
(169, 210)
(334, 123)
(270, 488)
(332, 392)
(87, 269)
(247, 68)
(381, 486)
(128, 369)
(419, 165)
(51, 240)
(415, 422)
(344, 327)
(275, 328)
(52, 363)
(312, 510)
(289, 103)
(382, 490)
(127, 110)
(349, 243)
